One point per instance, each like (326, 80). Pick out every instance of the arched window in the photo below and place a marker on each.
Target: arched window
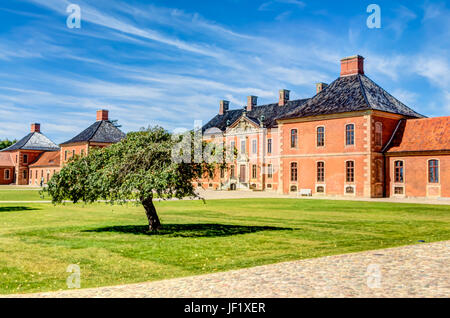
(294, 138)
(433, 171)
(320, 171)
(398, 171)
(294, 171)
(320, 136)
(350, 134)
(378, 134)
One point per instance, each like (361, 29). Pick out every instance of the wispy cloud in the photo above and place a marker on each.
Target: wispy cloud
(169, 66)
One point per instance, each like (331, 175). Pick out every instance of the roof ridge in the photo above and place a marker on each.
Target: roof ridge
(93, 134)
(363, 90)
(270, 104)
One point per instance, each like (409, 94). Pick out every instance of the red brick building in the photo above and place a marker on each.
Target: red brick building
(100, 134)
(418, 159)
(344, 141)
(34, 159)
(27, 150)
(6, 168)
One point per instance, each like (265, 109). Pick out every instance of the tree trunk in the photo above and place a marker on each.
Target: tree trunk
(153, 220)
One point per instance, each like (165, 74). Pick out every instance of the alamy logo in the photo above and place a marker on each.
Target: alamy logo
(374, 20)
(74, 279)
(374, 276)
(74, 19)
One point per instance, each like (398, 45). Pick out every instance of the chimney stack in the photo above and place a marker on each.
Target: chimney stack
(284, 97)
(224, 106)
(102, 115)
(320, 87)
(36, 128)
(352, 65)
(252, 101)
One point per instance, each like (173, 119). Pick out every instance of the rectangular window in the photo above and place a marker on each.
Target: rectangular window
(379, 134)
(82, 152)
(294, 171)
(254, 171)
(433, 171)
(243, 150)
(232, 145)
(24, 174)
(7, 174)
(398, 171)
(350, 134)
(25, 158)
(294, 138)
(320, 136)
(270, 171)
(73, 153)
(222, 172)
(232, 172)
(254, 146)
(269, 145)
(350, 174)
(320, 172)
(65, 155)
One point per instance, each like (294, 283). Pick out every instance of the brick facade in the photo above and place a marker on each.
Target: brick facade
(322, 160)
(35, 163)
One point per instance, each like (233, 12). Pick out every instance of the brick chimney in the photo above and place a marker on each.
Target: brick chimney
(224, 106)
(252, 101)
(102, 114)
(284, 97)
(36, 128)
(320, 87)
(352, 65)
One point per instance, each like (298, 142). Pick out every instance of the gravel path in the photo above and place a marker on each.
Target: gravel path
(411, 271)
(221, 195)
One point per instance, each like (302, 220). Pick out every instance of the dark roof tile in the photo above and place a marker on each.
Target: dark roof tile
(348, 94)
(269, 111)
(100, 131)
(34, 141)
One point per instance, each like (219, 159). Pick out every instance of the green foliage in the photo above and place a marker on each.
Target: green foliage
(6, 143)
(139, 167)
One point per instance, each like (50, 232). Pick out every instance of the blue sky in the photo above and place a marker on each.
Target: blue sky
(170, 62)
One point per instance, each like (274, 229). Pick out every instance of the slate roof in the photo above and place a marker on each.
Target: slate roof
(426, 134)
(34, 141)
(269, 111)
(100, 131)
(6, 160)
(47, 159)
(348, 94)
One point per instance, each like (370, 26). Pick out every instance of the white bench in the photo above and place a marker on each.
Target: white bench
(305, 192)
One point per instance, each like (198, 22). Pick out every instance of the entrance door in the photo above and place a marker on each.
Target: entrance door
(242, 174)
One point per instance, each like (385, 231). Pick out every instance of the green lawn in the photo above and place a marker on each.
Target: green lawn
(22, 195)
(111, 246)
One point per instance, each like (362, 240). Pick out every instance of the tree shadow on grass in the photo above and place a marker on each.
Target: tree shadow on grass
(16, 209)
(190, 230)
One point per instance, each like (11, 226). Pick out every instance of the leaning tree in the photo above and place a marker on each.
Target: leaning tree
(138, 168)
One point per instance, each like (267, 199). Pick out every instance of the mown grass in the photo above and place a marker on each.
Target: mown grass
(111, 245)
(23, 195)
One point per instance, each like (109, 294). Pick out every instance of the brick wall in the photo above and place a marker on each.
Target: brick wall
(415, 182)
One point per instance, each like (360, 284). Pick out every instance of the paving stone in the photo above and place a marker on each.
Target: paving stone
(411, 271)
